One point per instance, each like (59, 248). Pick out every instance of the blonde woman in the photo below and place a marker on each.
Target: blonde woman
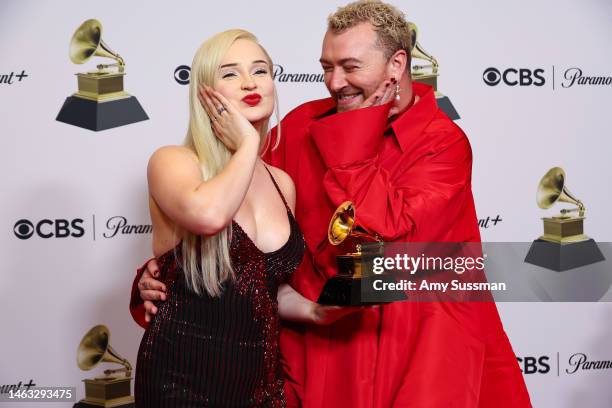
(226, 242)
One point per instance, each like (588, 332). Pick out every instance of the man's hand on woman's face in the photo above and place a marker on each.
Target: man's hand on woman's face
(151, 289)
(384, 94)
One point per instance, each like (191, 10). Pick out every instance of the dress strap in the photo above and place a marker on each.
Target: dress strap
(277, 188)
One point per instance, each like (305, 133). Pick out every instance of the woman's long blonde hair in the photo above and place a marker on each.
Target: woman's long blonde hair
(206, 259)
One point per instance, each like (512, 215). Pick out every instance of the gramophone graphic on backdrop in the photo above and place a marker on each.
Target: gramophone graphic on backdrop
(428, 73)
(100, 103)
(564, 245)
(109, 390)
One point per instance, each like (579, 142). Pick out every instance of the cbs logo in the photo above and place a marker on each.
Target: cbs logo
(514, 76)
(182, 73)
(58, 228)
(532, 365)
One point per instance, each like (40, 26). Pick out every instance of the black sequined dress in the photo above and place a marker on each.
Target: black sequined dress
(201, 351)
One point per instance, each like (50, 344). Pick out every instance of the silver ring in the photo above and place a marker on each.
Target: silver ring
(221, 110)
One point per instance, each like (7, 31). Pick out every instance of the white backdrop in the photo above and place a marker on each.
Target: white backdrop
(52, 290)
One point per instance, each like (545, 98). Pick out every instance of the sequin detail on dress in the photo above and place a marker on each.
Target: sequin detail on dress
(201, 351)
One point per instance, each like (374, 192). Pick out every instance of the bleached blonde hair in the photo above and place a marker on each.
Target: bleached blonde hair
(392, 29)
(206, 260)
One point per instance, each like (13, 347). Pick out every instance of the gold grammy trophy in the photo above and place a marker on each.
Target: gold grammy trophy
(428, 73)
(352, 285)
(109, 390)
(100, 103)
(564, 245)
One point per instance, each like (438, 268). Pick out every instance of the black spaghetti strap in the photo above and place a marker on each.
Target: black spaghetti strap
(277, 188)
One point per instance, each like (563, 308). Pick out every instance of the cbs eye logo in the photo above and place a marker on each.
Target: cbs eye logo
(182, 73)
(23, 229)
(59, 228)
(514, 76)
(491, 76)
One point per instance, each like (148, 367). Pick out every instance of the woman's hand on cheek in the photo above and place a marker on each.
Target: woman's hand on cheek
(229, 125)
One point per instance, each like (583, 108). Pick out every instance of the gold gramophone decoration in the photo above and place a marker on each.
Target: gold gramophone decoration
(100, 102)
(427, 72)
(351, 284)
(113, 389)
(563, 245)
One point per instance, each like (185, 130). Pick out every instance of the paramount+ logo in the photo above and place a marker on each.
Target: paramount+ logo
(514, 76)
(47, 228)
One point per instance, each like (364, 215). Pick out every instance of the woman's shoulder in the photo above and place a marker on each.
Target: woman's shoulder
(173, 155)
(280, 175)
(173, 152)
(285, 183)
(168, 161)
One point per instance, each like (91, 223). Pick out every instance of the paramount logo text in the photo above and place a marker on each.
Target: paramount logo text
(575, 76)
(280, 76)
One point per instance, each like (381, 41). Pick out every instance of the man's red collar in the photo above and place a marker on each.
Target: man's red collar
(411, 123)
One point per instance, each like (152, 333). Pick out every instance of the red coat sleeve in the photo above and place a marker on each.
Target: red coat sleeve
(430, 180)
(137, 309)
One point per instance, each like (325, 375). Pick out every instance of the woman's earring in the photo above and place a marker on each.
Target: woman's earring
(397, 92)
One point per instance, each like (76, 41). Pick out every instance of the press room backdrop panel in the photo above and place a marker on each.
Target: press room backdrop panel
(52, 290)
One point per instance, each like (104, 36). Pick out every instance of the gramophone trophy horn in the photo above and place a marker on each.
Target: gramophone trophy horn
(342, 225)
(95, 348)
(427, 73)
(552, 189)
(87, 42)
(100, 102)
(109, 390)
(563, 245)
(418, 52)
(347, 286)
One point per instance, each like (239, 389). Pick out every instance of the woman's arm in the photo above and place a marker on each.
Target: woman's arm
(198, 206)
(295, 307)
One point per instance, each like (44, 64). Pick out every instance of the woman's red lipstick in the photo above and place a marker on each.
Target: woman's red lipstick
(252, 99)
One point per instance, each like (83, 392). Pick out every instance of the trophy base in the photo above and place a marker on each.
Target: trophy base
(563, 256)
(83, 404)
(107, 393)
(447, 107)
(343, 290)
(563, 229)
(98, 116)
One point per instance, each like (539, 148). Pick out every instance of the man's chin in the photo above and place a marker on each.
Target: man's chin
(344, 107)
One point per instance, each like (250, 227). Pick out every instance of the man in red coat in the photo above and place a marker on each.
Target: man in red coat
(407, 168)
